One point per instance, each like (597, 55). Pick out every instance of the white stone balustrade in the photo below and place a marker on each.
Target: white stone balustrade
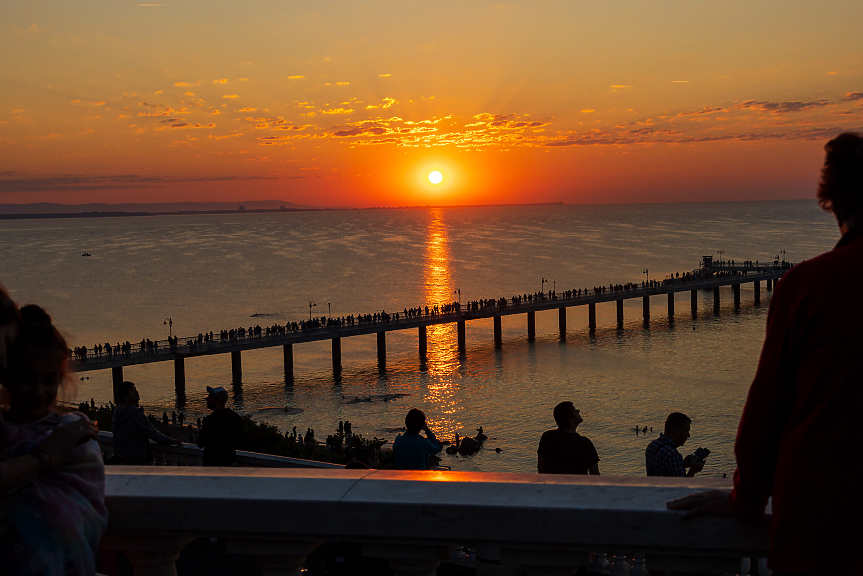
(191, 455)
(544, 524)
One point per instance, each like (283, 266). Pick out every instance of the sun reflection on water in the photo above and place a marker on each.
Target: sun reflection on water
(442, 362)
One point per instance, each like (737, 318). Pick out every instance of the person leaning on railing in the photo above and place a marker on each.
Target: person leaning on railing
(798, 435)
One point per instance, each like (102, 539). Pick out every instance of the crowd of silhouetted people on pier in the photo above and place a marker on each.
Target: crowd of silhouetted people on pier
(204, 341)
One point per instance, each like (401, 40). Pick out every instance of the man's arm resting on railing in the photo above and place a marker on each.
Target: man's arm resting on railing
(151, 432)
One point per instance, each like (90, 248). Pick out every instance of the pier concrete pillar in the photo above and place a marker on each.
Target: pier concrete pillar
(382, 347)
(531, 326)
(693, 298)
(180, 373)
(646, 307)
(757, 287)
(498, 331)
(561, 322)
(423, 341)
(769, 285)
(117, 379)
(671, 305)
(716, 299)
(236, 366)
(591, 317)
(735, 290)
(337, 354)
(461, 338)
(288, 353)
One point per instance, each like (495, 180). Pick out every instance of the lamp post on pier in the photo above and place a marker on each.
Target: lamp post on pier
(542, 286)
(783, 255)
(170, 324)
(646, 276)
(329, 311)
(311, 303)
(458, 291)
(720, 252)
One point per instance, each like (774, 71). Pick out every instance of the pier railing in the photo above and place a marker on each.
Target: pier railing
(513, 523)
(191, 455)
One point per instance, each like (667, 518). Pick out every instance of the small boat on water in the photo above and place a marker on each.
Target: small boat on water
(86, 254)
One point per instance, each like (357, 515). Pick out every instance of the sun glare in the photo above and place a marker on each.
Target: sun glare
(435, 177)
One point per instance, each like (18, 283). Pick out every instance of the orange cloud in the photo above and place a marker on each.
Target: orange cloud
(231, 96)
(223, 136)
(295, 77)
(220, 81)
(782, 107)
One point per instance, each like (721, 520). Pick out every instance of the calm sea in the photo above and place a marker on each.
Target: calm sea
(215, 272)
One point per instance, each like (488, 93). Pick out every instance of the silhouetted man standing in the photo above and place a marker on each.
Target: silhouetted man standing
(132, 430)
(565, 451)
(220, 431)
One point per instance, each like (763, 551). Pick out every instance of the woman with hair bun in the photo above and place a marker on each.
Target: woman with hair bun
(52, 480)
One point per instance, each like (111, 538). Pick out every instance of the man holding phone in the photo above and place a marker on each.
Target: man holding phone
(662, 456)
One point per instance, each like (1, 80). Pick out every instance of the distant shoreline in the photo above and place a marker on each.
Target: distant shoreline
(241, 210)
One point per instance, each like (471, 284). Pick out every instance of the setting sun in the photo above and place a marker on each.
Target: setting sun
(435, 177)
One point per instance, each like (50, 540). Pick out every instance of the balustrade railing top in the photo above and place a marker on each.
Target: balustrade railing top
(525, 519)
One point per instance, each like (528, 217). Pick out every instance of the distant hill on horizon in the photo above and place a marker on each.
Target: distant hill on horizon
(56, 208)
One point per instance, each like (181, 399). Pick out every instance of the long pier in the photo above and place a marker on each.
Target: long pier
(710, 277)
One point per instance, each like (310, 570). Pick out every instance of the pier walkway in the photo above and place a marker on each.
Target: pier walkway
(710, 277)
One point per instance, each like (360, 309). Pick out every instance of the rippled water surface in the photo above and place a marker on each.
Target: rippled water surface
(214, 272)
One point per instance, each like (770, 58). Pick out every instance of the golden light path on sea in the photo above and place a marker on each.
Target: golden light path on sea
(442, 358)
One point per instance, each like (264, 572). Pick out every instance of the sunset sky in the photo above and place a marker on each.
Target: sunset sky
(355, 103)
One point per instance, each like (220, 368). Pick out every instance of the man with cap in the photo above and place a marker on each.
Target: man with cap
(220, 431)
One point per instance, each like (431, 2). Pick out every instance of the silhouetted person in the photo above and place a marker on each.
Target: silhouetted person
(662, 456)
(220, 431)
(411, 450)
(563, 450)
(132, 431)
(797, 439)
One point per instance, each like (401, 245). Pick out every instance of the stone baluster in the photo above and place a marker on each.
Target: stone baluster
(159, 456)
(407, 560)
(699, 564)
(546, 562)
(639, 566)
(763, 570)
(170, 458)
(600, 562)
(745, 566)
(619, 567)
(275, 557)
(149, 555)
(488, 562)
